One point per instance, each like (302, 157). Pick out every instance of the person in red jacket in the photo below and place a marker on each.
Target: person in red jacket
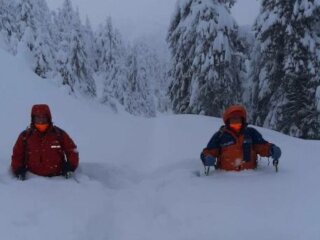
(44, 149)
(236, 146)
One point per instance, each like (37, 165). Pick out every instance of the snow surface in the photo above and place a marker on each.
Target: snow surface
(139, 178)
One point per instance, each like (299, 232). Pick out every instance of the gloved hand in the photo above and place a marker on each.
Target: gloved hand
(21, 173)
(275, 153)
(208, 160)
(67, 169)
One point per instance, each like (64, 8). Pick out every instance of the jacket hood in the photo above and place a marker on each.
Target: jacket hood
(235, 111)
(40, 110)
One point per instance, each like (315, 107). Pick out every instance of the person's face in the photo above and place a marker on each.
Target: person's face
(236, 123)
(41, 123)
(235, 120)
(41, 120)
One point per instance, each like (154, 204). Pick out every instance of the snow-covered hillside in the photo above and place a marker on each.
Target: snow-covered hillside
(139, 178)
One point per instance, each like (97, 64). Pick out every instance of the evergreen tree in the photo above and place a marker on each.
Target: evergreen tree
(26, 28)
(89, 40)
(72, 58)
(80, 61)
(228, 3)
(56, 43)
(26, 17)
(63, 23)
(138, 98)
(159, 73)
(34, 25)
(206, 57)
(110, 63)
(128, 73)
(285, 68)
(8, 27)
(44, 64)
(247, 38)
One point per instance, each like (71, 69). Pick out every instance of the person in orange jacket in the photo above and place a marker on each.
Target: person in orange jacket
(236, 146)
(44, 149)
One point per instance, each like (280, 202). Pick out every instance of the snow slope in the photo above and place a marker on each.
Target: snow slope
(139, 177)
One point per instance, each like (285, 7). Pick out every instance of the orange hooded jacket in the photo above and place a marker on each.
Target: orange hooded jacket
(236, 151)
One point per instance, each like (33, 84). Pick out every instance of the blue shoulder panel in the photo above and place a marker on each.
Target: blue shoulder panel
(255, 136)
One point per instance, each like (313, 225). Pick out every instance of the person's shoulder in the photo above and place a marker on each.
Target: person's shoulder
(58, 129)
(26, 132)
(218, 134)
(252, 131)
(60, 132)
(221, 130)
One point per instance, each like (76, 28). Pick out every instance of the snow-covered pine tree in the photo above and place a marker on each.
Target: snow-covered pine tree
(285, 68)
(44, 64)
(108, 41)
(34, 25)
(139, 98)
(8, 27)
(72, 58)
(80, 61)
(110, 63)
(26, 17)
(159, 68)
(156, 67)
(228, 3)
(247, 38)
(206, 60)
(89, 43)
(27, 27)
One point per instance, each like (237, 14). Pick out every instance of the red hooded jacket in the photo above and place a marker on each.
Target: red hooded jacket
(45, 153)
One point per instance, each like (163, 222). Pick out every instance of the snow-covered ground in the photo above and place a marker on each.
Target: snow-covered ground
(139, 178)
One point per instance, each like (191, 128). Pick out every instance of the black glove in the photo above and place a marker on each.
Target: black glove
(275, 162)
(67, 169)
(275, 152)
(208, 160)
(21, 173)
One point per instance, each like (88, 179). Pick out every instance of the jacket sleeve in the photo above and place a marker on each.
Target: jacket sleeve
(261, 146)
(70, 150)
(213, 146)
(18, 155)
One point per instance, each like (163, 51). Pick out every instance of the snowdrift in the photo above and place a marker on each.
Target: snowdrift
(139, 178)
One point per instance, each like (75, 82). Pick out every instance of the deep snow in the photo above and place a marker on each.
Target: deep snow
(139, 177)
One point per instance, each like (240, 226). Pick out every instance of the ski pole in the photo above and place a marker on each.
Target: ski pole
(75, 179)
(69, 175)
(206, 170)
(275, 164)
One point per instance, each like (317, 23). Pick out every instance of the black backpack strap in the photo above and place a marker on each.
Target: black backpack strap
(221, 131)
(246, 146)
(25, 136)
(59, 133)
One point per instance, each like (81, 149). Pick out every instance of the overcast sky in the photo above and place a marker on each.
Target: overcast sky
(146, 17)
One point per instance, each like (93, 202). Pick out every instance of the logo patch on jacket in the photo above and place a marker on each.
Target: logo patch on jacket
(55, 146)
(227, 144)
